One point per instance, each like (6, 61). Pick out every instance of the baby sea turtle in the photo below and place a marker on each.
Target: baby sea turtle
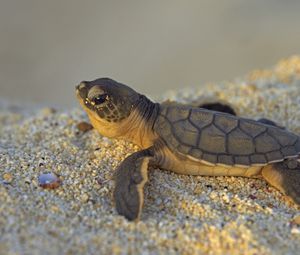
(187, 140)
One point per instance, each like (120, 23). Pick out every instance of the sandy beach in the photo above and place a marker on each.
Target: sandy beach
(182, 214)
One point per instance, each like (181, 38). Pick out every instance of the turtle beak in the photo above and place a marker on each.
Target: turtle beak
(82, 90)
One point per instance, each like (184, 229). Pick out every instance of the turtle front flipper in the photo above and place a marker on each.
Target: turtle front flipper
(285, 176)
(130, 179)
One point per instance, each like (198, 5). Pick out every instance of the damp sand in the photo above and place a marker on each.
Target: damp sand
(182, 214)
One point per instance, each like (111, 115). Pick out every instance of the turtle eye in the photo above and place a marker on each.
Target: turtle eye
(100, 99)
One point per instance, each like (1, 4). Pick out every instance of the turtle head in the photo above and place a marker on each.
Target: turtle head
(107, 103)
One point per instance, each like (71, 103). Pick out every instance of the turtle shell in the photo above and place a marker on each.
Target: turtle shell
(220, 138)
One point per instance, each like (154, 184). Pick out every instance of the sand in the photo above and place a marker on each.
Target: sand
(182, 214)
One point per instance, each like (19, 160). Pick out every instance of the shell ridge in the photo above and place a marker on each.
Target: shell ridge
(177, 137)
(275, 138)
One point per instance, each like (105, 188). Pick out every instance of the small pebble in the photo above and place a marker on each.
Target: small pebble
(252, 197)
(106, 142)
(84, 126)
(213, 195)
(48, 111)
(197, 190)
(7, 178)
(295, 231)
(296, 220)
(101, 181)
(84, 198)
(49, 181)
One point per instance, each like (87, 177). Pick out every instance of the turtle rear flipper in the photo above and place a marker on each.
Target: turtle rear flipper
(218, 107)
(270, 122)
(130, 179)
(285, 176)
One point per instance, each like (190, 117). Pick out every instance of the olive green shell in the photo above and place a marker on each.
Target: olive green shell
(220, 138)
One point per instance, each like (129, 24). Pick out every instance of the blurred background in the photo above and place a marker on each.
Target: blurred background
(47, 47)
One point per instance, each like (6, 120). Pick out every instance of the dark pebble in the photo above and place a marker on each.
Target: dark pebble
(252, 197)
(84, 126)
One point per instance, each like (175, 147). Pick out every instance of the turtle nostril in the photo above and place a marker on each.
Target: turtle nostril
(81, 85)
